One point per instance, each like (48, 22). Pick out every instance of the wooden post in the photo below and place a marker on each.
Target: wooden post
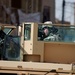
(74, 13)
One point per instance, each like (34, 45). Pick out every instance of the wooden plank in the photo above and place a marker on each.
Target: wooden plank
(36, 5)
(7, 26)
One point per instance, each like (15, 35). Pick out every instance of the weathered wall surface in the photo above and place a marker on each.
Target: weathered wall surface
(31, 6)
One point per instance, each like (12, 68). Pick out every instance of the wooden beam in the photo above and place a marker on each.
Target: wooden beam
(7, 26)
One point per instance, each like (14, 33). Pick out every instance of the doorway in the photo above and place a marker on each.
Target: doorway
(16, 4)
